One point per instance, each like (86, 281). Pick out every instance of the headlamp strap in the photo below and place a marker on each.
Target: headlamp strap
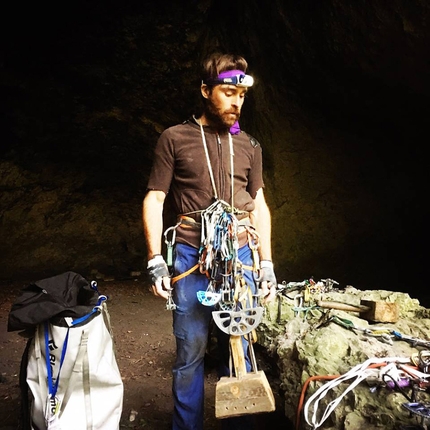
(231, 77)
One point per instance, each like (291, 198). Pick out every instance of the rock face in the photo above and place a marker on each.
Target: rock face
(331, 351)
(50, 223)
(339, 107)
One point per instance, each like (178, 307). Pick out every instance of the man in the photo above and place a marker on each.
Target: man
(211, 171)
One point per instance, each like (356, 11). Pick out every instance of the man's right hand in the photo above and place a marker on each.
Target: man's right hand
(162, 287)
(159, 276)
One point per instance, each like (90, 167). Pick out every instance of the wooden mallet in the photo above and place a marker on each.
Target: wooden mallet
(373, 311)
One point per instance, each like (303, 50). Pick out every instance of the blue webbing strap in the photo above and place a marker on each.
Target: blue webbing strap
(96, 308)
(53, 388)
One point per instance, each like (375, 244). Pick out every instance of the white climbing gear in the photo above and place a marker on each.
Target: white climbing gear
(357, 374)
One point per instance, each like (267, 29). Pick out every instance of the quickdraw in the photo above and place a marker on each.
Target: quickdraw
(218, 259)
(170, 243)
(380, 333)
(227, 288)
(414, 341)
(309, 287)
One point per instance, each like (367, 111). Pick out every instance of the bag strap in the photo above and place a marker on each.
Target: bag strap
(82, 367)
(23, 385)
(38, 354)
(86, 380)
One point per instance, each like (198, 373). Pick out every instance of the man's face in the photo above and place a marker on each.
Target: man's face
(224, 103)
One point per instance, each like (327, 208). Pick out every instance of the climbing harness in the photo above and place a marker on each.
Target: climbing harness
(237, 310)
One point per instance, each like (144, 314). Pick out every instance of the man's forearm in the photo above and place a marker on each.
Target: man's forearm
(263, 227)
(153, 222)
(261, 219)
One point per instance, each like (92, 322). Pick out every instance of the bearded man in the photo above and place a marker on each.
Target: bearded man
(212, 172)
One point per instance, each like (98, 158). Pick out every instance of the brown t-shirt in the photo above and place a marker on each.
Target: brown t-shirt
(180, 168)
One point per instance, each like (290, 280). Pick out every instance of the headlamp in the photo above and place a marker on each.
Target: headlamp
(240, 80)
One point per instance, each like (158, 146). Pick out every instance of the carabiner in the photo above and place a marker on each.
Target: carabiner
(173, 229)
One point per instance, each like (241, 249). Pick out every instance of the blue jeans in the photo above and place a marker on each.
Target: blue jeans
(191, 325)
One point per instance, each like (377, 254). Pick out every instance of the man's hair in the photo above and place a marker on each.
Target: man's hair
(218, 63)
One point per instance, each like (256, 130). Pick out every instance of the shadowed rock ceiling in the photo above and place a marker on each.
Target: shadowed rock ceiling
(339, 107)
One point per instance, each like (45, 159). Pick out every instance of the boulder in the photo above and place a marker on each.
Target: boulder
(339, 370)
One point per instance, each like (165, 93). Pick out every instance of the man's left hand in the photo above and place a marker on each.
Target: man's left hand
(267, 280)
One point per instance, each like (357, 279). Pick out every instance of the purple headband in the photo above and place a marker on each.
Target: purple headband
(231, 77)
(230, 74)
(235, 128)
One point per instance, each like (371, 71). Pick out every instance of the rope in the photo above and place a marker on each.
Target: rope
(184, 274)
(359, 372)
(230, 144)
(303, 393)
(208, 160)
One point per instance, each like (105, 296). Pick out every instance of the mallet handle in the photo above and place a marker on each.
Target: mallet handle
(342, 306)
(238, 356)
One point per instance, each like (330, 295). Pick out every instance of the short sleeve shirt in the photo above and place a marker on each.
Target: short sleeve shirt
(180, 168)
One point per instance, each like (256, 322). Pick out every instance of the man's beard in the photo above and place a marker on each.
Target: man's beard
(219, 119)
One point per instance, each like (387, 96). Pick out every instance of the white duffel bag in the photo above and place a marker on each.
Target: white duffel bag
(73, 376)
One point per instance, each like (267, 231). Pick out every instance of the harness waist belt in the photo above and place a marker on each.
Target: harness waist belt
(188, 222)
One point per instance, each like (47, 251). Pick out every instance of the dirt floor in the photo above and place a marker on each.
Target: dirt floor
(145, 352)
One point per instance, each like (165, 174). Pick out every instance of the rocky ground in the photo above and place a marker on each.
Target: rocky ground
(145, 353)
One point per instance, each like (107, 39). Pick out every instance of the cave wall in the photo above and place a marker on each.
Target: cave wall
(338, 106)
